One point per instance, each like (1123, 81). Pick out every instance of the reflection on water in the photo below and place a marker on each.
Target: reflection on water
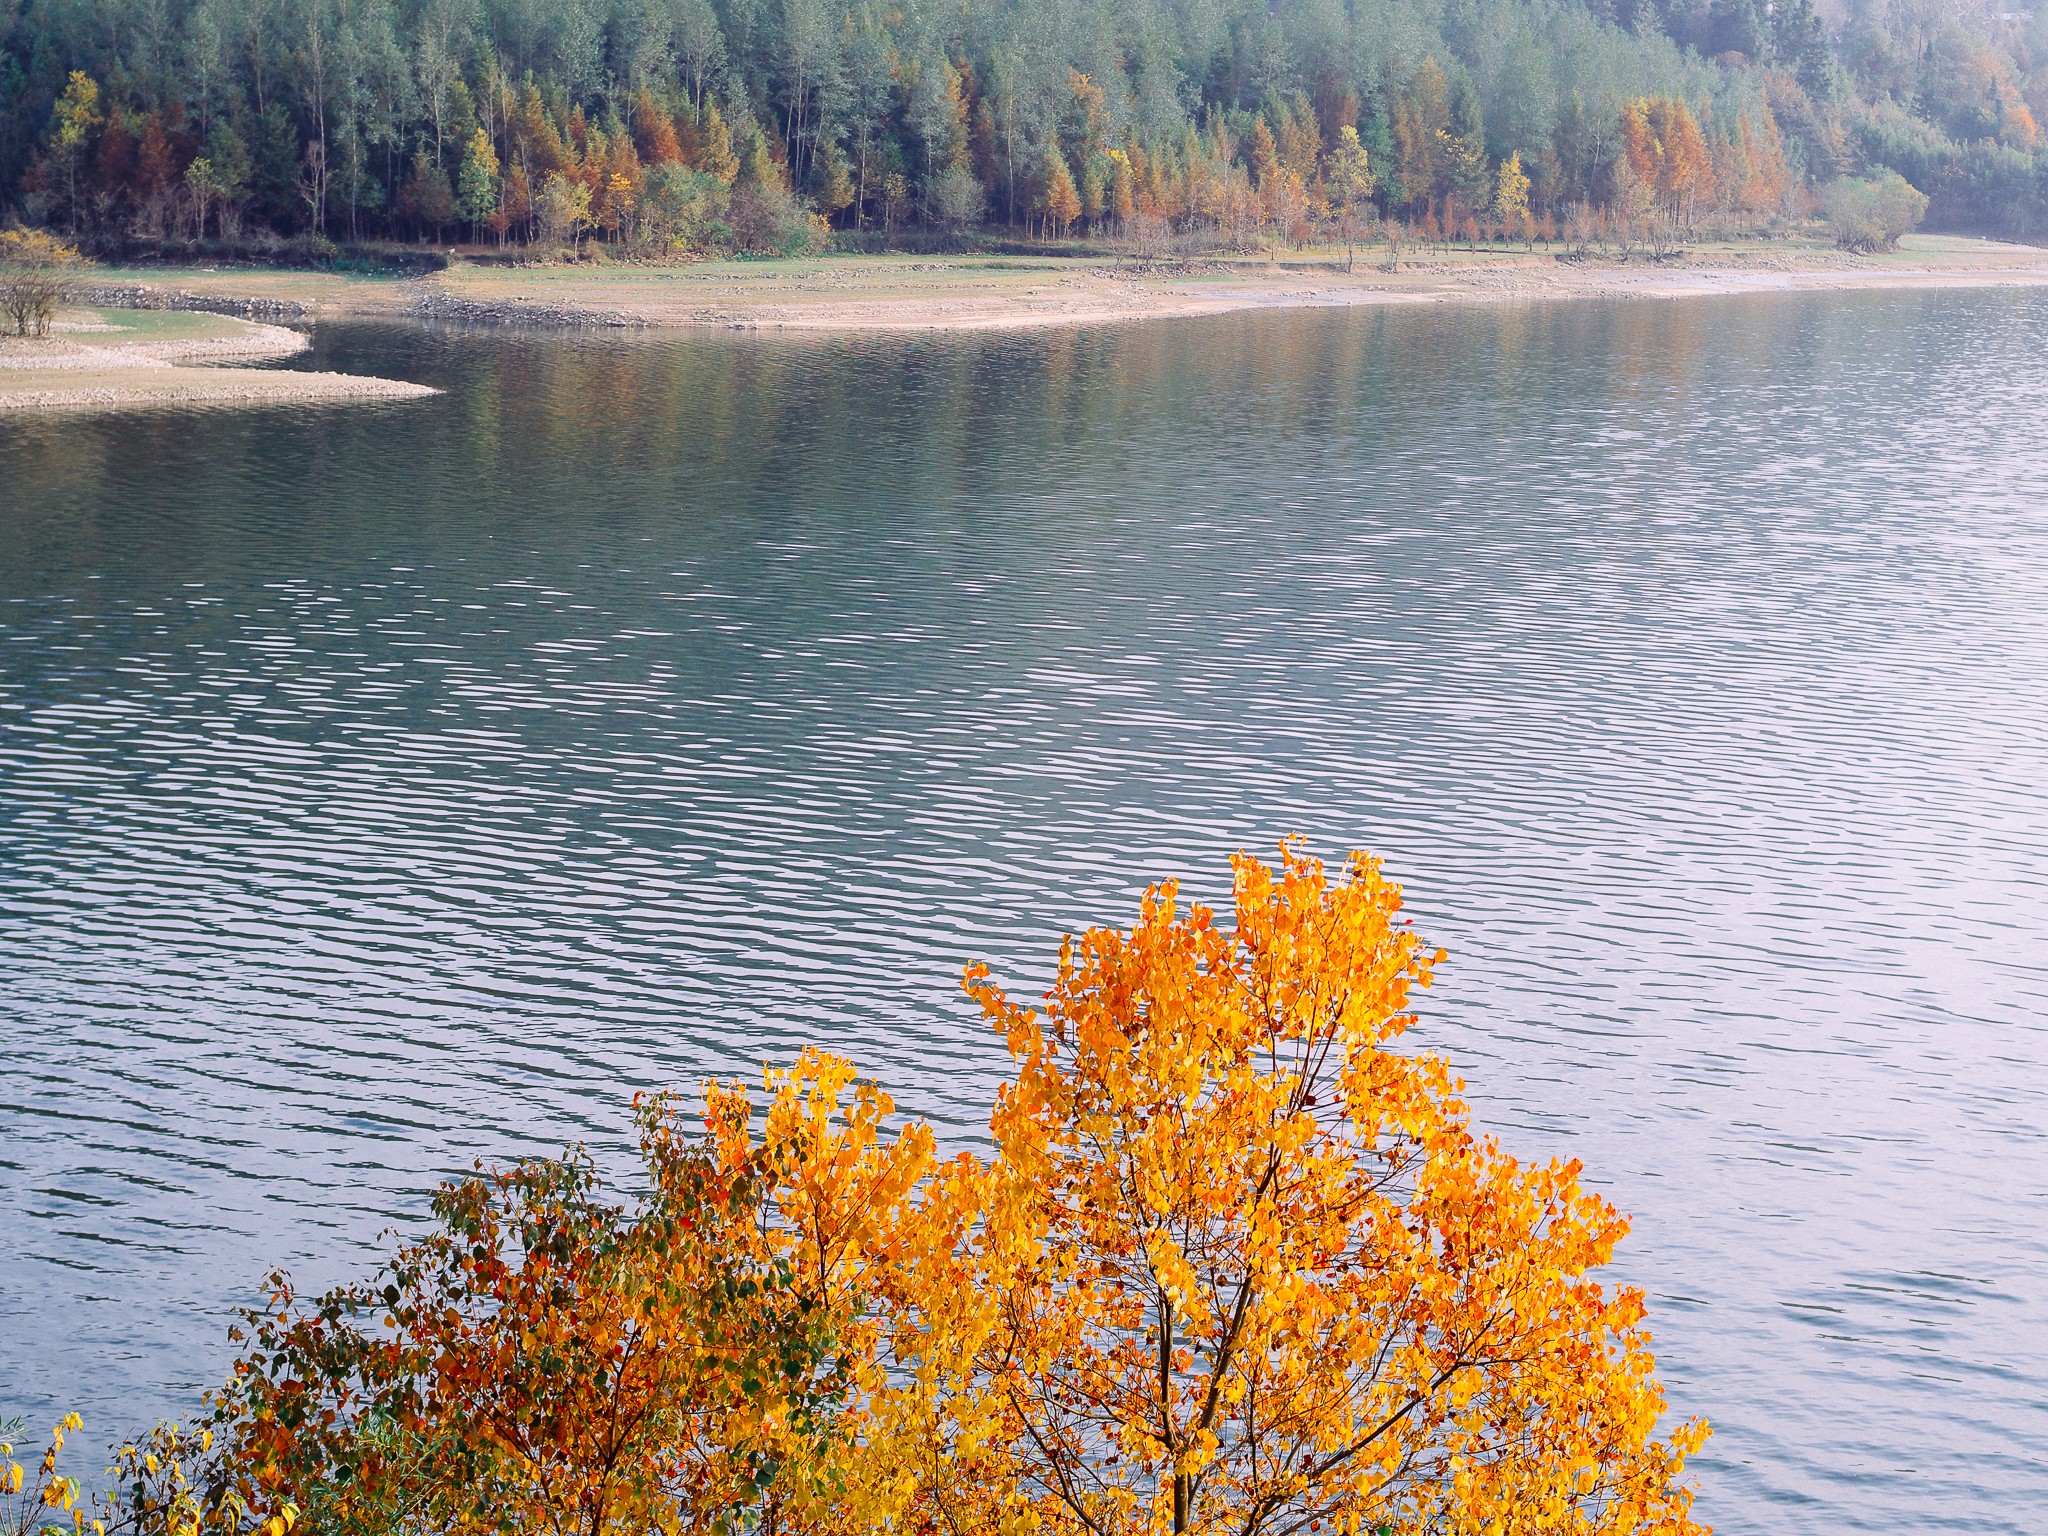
(389, 786)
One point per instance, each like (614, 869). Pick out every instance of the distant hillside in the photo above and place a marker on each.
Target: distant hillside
(756, 123)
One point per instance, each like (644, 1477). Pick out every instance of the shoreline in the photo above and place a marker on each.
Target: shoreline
(903, 294)
(170, 358)
(157, 337)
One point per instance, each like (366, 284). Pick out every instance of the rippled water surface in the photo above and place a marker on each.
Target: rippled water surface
(383, 787)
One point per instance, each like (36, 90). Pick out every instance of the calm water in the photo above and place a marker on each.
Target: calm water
(384, 787)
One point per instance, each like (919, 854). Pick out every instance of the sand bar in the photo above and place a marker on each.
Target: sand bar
(111, 359)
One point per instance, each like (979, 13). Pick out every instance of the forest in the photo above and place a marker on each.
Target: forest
(665, 126)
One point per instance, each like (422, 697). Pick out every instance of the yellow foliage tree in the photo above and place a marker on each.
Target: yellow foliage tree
(717, 158)
(1245, 1268)
(1348, 186)
(73, 122)
(1511, 195)
(1237, 1267)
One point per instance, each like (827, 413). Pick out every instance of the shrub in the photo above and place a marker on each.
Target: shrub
(49, 1503)
(34, 267)
(1870, 213)
(955, 199)
(681, 207)
(767, 219)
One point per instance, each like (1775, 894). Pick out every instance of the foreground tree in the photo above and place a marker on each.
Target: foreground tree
(1249, 1270)
(1237, 1267)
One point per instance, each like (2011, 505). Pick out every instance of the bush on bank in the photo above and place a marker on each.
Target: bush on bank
(1871, 213)
(1235, 1263)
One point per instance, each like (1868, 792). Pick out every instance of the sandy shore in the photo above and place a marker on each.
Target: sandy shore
(110, 359)
(905, 293)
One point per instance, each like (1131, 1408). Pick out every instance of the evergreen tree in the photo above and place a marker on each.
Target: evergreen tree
(1263, 158)
(476, 190)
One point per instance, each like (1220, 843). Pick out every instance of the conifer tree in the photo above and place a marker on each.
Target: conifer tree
(831, 182)
(654, 133)
(1263, 157)
(716, 158)
(1058, 199)
(760, 169)
(1511, 194)
(476, 192)
(100, 123)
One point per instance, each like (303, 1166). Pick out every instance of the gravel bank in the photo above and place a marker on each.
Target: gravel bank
(100, 366)
(180, 386)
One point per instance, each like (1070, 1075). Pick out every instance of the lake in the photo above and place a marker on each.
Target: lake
(386, 787)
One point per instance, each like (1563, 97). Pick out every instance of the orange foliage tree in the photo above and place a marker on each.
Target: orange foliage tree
(1666, 154)
(1236, 1264)
(1246, 1268)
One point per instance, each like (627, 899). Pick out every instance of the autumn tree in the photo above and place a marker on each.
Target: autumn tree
(717, 158)
(1421, 131)
(831, 180)
(427, 198)
(1058, 199)
(1685, 169)
(1250, 1269)
(34, 271)
(333, 101)
(476, 185)
(1764, 176)
(1511, 196)
(759, 169)
(1348, 186)
(1237, 1266)
(73, 123)
(1262, 155)
(654, 131)
(1664, 166)
(562, 208)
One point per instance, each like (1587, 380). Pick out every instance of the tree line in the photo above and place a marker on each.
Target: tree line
(763, 124)
(1234, 1264)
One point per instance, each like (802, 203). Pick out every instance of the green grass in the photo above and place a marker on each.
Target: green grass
(163, 324)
